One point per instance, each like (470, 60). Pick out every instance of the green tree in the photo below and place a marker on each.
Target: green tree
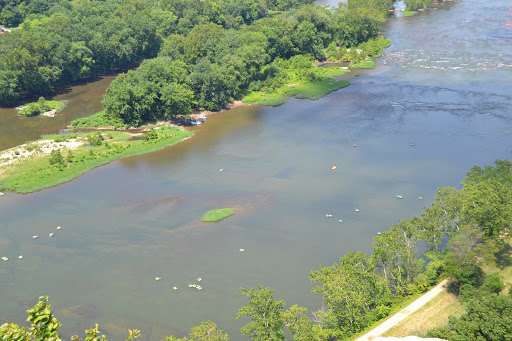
(207, 331)
(351, 289)
(488, 318)
(266, 314)
(488, 197)
(300, 326)
(43, 327)
(56, 158)
(395, 255)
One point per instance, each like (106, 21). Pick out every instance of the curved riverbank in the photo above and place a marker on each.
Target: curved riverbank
(61, 158)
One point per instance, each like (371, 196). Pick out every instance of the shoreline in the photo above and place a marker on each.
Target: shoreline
(37, 165)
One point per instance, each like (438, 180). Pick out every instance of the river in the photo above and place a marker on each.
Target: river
(437, 103)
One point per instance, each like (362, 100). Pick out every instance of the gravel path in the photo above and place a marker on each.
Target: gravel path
(404, 313)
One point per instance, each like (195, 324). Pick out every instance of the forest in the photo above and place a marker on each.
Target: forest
(196, 54)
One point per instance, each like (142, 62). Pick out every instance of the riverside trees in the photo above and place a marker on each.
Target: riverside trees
(361, 289)
(229, 47)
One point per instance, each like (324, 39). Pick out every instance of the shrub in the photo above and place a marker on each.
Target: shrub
(150, 135)
(95, 139)
(494, 283)
(31, 110)
(43, 105)
(56, 158)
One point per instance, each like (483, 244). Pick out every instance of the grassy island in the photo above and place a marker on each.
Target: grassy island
(41, 107)
(214, 216)
(409, 13)
(60, 158)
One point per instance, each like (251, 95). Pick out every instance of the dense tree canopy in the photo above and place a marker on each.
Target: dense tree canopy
(225, 44)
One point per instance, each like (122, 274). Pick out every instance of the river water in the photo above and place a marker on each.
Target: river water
(437, 103)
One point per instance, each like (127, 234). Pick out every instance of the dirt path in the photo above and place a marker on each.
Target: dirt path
(402, 314)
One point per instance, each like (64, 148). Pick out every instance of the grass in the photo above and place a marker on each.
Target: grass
(33, 173)
(433, 314)
(101, 119)
(365, 64)
(436, 312)
(214, 216)
(409, 13)
(394, 309)
(324, 84)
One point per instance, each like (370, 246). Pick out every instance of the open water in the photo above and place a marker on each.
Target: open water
(438, 103)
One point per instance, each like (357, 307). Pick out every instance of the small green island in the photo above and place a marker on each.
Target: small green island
(41, 107)
(56, 159)
(214, 216)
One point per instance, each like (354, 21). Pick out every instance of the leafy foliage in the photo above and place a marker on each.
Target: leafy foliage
(487, 318)
(39, 107)
(266, 314)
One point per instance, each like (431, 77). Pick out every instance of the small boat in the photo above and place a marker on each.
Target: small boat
(202, 117)
(195, 123)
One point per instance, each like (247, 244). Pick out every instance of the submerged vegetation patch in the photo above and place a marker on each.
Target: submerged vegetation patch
(214, 216)
(61, 158)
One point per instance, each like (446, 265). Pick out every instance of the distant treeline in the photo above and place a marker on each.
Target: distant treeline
(201, 40)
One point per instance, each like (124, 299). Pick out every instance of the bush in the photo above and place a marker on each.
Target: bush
(43, 105)
(150, 135)
(471, 274)
(31, 110)
(95, 139)
(494, 283)
(56, 158)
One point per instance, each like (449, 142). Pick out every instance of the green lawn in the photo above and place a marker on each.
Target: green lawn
(214, 216)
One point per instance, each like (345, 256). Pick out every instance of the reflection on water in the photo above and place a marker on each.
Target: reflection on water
(416, 128)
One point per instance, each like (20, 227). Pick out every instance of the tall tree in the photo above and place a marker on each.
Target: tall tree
(351, 289)
(266, 314)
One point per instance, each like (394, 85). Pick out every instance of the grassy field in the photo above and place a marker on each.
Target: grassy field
(33, 171)
(214, 216)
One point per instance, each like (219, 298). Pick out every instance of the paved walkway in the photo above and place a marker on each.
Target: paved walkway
(404, 313)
